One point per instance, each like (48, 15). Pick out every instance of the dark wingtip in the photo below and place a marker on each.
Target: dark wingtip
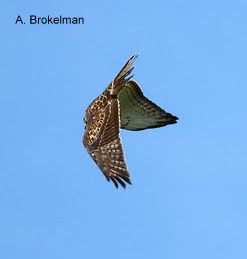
(114, 181)
(121, 182)
(134, 56)
(171, 119)
(118, 180)
(128, 180)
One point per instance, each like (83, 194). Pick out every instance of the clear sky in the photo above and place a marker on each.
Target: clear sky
(189, 194)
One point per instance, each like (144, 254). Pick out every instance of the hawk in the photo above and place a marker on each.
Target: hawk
(121, 105)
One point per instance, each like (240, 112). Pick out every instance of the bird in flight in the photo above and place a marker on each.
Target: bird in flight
(121, 105)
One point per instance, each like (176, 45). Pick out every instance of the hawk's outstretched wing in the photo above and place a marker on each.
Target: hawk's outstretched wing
(103, 143)
(137, 112)
(101, 137)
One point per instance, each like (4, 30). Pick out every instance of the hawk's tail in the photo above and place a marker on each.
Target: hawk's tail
(122, 78)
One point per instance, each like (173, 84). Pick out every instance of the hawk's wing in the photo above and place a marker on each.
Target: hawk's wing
(101, 137)
(139, 113)
(103, 143)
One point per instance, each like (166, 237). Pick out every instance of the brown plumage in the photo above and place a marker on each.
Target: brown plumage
(122, 104)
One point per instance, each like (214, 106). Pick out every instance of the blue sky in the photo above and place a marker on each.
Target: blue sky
(188, 198)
